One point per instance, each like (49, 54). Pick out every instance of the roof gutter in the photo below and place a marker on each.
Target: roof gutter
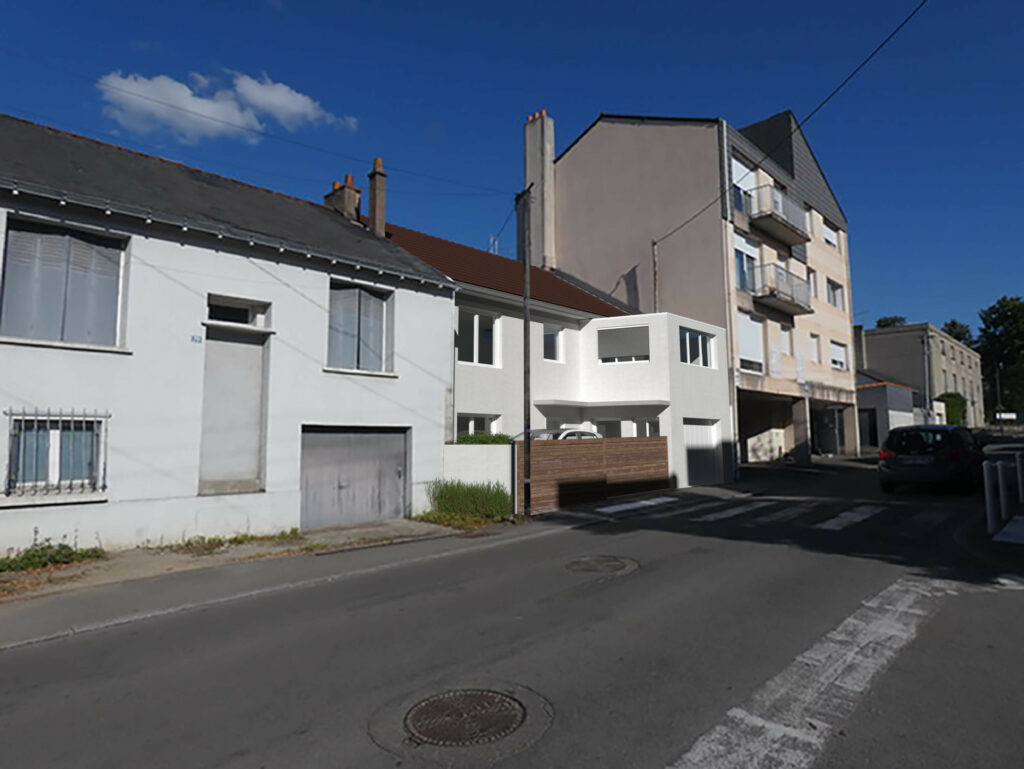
(219, 231)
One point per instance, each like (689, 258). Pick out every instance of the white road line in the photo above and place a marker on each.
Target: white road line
(637, 505)
(732, 512)
(850, 517)
(689, 510)
(786, 723)
(785, 514)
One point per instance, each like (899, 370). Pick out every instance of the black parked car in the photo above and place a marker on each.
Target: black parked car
(930, 454)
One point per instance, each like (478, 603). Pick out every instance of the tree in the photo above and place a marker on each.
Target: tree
(890, 321)
(1001, 344)
(961, 332)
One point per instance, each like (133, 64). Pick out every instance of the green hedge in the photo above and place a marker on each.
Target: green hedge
(956, 407)
(483, 438)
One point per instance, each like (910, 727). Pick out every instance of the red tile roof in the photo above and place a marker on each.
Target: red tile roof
(482, 268)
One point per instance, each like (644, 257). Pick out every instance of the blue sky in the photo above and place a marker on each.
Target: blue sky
(922, 147)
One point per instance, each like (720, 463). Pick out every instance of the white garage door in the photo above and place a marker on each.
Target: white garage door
(703, 451)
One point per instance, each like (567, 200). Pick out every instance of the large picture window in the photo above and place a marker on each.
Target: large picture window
(60, 285)
(359, 329)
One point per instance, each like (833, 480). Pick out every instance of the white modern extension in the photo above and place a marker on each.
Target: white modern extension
(204, 358)
(591, 364)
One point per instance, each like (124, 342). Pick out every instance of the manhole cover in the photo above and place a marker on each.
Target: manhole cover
(464, 717)
(601, 563)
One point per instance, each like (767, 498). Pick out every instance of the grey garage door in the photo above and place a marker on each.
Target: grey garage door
(352, 475)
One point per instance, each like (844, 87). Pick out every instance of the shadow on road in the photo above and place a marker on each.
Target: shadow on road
(935, 532)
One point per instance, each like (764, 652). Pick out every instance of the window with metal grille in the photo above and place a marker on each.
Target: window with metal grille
(53, 452)
(60, 285)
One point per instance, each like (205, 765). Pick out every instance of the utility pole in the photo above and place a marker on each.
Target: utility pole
(524, 202)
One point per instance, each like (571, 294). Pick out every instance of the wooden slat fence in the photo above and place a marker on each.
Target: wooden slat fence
(571, 472)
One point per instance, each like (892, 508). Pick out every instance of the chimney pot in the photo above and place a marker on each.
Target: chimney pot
(344, 198)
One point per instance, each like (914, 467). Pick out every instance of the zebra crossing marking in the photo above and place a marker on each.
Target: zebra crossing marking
(785, 514)
(850, 517)
(733, 511)
(637, 505)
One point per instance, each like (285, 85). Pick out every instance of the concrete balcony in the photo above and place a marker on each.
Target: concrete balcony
(774, 286)
(775, 213)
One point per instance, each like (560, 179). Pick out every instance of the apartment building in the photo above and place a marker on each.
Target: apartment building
(592, 364)
(735, 227)
(929, 360)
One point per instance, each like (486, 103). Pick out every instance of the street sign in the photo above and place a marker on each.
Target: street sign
(1006, 416)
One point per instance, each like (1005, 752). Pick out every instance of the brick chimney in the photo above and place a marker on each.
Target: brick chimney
(344, 198)
(378, 194)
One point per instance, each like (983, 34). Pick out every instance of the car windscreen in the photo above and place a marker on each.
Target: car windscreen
(919, 441)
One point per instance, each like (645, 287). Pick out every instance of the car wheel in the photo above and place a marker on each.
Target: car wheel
(888, 487)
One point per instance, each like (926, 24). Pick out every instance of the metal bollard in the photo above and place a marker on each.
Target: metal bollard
(991, 503)
(1020, 477)
(1003, 471)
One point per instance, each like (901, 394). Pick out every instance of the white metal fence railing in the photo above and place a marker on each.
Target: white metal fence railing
(1004, 489)
(55, 451)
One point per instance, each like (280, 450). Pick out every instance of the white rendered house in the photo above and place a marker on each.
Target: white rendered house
(592, 364)
(185, 354)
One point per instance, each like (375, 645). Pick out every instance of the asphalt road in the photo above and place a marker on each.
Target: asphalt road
(786, 630)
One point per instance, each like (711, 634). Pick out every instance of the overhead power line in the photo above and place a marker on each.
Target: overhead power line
(832, 94)
(254, 131)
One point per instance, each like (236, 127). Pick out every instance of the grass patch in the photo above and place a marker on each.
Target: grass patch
(200, 545)
(44, 554)
(467, 506)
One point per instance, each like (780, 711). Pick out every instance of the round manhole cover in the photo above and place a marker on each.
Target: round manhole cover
(601, 563)
(464, 717)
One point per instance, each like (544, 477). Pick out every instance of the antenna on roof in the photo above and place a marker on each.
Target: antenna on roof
(493, 247)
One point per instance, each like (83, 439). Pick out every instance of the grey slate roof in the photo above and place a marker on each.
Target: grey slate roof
(34, 157)
(791, 154)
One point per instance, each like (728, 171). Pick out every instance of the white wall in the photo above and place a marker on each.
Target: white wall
(483, 463)
(154, 394)
(662, 388)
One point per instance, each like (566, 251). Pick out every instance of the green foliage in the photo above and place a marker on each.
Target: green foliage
(890, 321)
(200, 545)
(1001, 344)
(45, 553)
(467, 505)
(956, 408)
(483, 438)
(961, 332)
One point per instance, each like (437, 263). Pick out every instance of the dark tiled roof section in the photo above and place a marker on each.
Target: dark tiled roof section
(482, 268)
(80, 167)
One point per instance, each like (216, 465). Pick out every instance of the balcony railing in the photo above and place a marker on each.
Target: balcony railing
(775, 212)
(777, 287)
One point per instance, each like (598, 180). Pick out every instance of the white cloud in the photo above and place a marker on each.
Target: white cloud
(282, 102)
(198, 112)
